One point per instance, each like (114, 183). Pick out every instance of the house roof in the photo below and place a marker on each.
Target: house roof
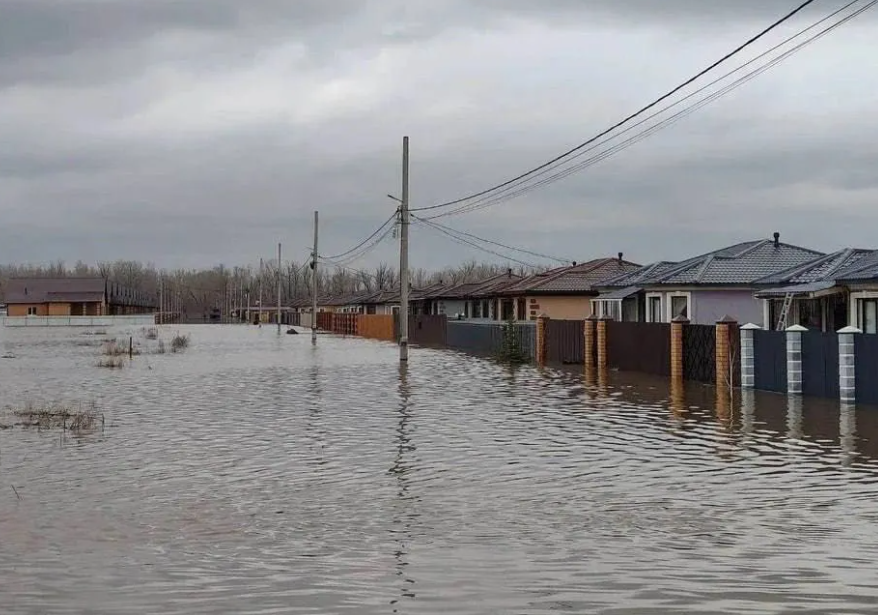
(822, 268)
(741, 264)
(797, 290)
(864, 269)
(55, 290)
(480, 288)
(575, 279)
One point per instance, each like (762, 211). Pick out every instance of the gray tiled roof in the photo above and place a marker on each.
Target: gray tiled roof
(819, 269)
(639, 276)
(582, 278)
(865, 268)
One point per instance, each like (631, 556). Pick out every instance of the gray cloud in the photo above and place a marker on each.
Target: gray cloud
(188, 133)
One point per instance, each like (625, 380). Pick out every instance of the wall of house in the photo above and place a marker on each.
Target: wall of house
(61, 309)
(560, 307)
(20, 309)
(709, 306)
(451, 307)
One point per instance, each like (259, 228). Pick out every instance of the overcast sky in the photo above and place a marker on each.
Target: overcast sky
(193, 132)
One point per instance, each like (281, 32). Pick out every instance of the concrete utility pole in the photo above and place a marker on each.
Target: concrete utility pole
(260, 292)
(278, 289)
(161, 297)
(404, 256)
(314, 284)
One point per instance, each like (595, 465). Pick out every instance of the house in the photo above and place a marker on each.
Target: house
(564, 293)
(476, 300)
(825, 294)
(703, 289)
(73, 296)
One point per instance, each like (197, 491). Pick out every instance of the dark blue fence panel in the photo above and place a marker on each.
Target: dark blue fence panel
(488, 338)
(820, 364)
(770, 350)
(866, 371)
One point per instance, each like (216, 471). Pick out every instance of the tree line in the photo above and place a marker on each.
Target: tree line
(200, 290)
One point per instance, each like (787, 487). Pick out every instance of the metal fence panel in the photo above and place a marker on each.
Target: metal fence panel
(820, 364)
(643, 347)
(699, 353)
(565, 341)
(770, 350)
(866, 370)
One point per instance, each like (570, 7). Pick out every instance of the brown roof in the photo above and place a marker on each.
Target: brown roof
(573, 280)
(55, 290)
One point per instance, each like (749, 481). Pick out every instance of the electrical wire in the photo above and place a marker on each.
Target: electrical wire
(463, 241)
(512, 192)
(627, 119)
(364, 250)
(392, 218)
(494, 243)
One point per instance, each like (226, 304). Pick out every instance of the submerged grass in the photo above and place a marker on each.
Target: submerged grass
(114, 362)
(82, 418)
(179, 343)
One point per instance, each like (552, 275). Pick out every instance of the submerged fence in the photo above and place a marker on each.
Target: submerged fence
(639, 347)
(493, 338)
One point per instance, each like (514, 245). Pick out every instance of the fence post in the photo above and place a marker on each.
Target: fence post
(748, 355)
(602, 327)
(847, 364)
(724, 351)
(542, 344)
(589, 340)
(794, 359)
(677, 346)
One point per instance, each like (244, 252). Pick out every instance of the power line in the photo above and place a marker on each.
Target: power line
(638, 113)
(463, 241)
(494, 243)
(366, 240)
(364, 250)
(512, 192)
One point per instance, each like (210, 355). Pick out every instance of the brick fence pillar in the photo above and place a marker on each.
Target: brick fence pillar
(590, 336)
(602, 327)
(724, 351)
(542, 342)
(677, 346)
(847, 366)
(748, 355)
(794, 359)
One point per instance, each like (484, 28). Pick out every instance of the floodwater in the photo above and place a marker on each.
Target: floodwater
(254, 473)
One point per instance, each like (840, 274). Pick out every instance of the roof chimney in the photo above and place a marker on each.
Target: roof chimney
(776, 239)
(621, 254)
(574, 263)
(509, 272)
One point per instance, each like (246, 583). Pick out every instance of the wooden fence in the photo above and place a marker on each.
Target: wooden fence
(376, 327)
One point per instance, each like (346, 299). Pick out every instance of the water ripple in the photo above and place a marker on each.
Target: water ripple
(257, 474)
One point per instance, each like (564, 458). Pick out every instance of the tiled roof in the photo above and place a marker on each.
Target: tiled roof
(582, 278)
(481, 288)
(742, 263)
(639, 276)
(61, 290)
(819, 269)
(866, 268)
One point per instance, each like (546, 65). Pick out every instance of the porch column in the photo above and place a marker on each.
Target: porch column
(794, 359)
(748, 356)
(847, 364)
(677, 346)
(590, 337)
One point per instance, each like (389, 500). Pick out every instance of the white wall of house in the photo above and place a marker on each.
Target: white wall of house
(449, 307)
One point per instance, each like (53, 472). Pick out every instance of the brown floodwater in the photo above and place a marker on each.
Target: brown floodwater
(253, 474)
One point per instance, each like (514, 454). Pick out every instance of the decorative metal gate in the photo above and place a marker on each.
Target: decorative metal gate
(699, 353)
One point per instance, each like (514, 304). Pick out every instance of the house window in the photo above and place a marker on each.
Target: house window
(477, 309)
(869, 315)
(521, 309)
(679, 307)
(32, 310)
(487, 312)
(654, 309)
(394, 309)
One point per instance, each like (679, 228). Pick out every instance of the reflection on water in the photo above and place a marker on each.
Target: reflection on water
(256, 473)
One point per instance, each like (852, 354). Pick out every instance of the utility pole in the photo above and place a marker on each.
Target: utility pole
(161, 297)
(260, 292)
(314, 284)
(278, 289)
(404, 257)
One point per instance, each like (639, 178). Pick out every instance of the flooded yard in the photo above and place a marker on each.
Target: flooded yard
(253, 473)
